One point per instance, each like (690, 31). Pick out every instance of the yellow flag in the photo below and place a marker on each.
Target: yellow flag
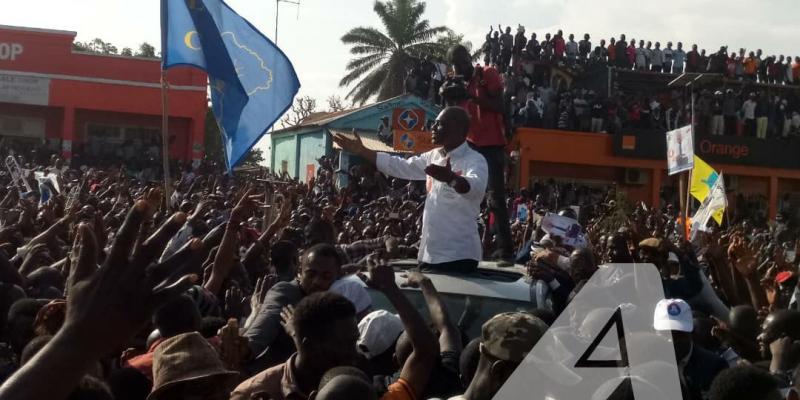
(718, 216)
(703, 178)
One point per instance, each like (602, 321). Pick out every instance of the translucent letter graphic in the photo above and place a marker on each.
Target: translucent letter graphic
(603, 342)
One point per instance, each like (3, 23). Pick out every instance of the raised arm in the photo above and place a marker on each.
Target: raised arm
(223, 262)
(449, 334)
(106, 306)
(412, 168)
(417, 369)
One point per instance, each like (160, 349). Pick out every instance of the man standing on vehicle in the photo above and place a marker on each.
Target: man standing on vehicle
(455, 176)
(484, 103)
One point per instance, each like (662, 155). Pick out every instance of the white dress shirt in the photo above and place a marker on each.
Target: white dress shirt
(450, 219)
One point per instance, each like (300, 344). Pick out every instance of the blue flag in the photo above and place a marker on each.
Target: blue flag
(252, 82)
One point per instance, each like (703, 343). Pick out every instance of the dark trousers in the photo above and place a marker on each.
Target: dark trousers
(496, 189)
(750, 128)
(730, 125)
(458, 266)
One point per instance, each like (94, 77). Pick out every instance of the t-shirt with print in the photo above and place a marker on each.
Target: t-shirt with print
(486, 126)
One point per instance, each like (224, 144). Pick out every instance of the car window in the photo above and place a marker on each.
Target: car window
(467, 311)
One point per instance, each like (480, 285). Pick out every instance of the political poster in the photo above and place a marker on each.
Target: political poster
(713, 206)
(522, 213)
(568, 229)
(680, 150)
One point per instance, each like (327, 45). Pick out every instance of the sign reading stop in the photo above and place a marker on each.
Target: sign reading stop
(10, 51)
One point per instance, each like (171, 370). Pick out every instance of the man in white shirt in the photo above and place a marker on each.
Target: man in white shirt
(572, 49)
(749, 113)
(656, 58)
(668, 53)
(456, 178)
(678, 57)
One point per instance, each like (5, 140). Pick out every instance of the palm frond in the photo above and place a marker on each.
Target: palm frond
(367, 37)
(369, 86)
(382, 58)
(387, 12)
(359, 67)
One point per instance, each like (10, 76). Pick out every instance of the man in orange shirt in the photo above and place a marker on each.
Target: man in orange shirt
(751, 67)
(612, 52)
(796, 70)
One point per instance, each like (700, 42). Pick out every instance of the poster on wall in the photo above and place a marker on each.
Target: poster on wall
(408, 131)
(680, 150)
(413, 141)
(408, 119)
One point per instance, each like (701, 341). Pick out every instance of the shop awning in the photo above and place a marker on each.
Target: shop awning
(370, 141)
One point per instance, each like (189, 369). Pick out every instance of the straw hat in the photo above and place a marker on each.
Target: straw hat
(185, 358)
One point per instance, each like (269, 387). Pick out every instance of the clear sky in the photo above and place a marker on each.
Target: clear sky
(311, 35)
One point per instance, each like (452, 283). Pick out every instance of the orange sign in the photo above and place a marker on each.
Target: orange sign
(408, 119)
(413, 141)
(311, 172)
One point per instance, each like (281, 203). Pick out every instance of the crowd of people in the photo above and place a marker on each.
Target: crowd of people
(508, 51)
(750, 108)
(734, 110)
(109, 291)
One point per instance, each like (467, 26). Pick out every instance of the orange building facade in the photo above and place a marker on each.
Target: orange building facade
(637, 163)
(83, 102)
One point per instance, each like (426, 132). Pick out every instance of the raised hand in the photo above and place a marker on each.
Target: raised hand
(355, 146)
(235, 303)
(109, 304)
(381, 275)
(263, 285)
(441, 173)
(287, 315)
(244, 208)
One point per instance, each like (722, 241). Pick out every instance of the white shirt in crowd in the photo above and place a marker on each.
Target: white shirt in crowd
(678, 57)
(641, 57)
(450, 219)
(657, 57)
(749, 109)
(572, 49)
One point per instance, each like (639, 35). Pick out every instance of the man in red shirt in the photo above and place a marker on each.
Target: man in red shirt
(559, 46)
(484, 102)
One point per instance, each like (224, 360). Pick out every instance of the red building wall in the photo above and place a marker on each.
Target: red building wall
(89, 88)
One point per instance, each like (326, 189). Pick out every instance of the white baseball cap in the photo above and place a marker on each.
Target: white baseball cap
(352, 288)
(673, 315)
(377, 332)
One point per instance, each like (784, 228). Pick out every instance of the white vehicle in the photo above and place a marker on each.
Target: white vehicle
(472, 299)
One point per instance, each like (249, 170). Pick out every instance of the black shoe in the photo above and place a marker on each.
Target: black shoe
(504, 259)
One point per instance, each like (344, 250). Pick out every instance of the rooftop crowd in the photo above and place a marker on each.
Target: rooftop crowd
(109, 291)
(758, 99)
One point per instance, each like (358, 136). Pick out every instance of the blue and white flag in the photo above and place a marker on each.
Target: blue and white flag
(252, 82)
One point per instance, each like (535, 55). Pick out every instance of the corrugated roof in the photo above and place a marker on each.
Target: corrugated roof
(370, 141)
(322, 118)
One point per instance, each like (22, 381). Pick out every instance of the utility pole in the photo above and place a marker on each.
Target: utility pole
(277, 10)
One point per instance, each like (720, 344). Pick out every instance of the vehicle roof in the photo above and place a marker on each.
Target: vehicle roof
(488, 281)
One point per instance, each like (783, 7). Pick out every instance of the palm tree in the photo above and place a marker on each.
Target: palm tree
(382, 60)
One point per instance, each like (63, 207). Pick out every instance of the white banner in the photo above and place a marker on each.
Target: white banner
(680, 150)
(568, 229)
(716, 200)
(21, 89)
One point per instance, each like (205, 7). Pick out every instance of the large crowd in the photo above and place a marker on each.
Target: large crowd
(248, 286)
(759, 97)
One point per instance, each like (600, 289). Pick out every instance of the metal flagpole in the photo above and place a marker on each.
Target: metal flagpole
(165, 135)
(686, 225)
(277, 10)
